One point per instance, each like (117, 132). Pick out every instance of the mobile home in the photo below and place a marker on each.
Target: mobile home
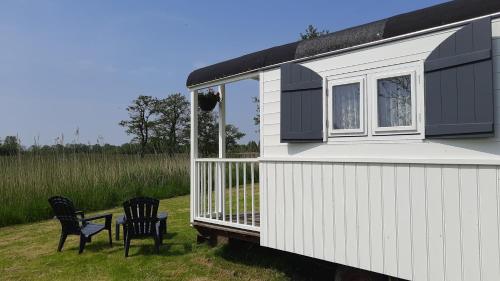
(379, 147)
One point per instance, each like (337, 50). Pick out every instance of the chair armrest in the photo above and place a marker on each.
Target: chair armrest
(80, 213)
(162, 216)
(96, 217)
(108, 218)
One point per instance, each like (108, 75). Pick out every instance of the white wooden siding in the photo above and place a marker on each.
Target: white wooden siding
(420, 220)
(413, 221)
(413, 49)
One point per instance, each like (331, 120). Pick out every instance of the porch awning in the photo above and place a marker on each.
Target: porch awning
(446, 13)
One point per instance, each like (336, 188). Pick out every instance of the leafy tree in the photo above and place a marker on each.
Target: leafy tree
(233, 135)
(312, 32)
(256, 118)
(10, 146)
(208, 134)
(252, 146)
(173, 118)
(140, 123)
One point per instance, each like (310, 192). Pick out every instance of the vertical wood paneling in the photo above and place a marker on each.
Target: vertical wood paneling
(452, 229)
(328, 211)
(307, 205)
(317, 203)
(271, 204)
(339, 188)
(488, 222)
(389, 219)
(264, 210)
(350, 215)
(419, 222)
(403, 220)
(289, 207)
(363, 217)
(416, 222)
(280, 207)
(376, 235)
(298, 229)
(434, 223)
(470, 230)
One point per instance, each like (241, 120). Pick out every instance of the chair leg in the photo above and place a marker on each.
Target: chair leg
(83, 240)
(127, 245)
(61, 241)
(117, 232)
(109, 234)
(124, 235)
(157, 244)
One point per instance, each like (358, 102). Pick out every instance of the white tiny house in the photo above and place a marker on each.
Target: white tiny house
(379, 147)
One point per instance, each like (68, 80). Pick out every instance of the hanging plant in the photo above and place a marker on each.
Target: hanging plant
(208, 100)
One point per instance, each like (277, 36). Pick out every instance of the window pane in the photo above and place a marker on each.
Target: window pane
(346, 106)
(394, 101)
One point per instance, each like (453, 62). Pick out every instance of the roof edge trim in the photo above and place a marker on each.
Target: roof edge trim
(233, 77)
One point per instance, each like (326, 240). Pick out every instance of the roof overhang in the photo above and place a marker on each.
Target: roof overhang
(446, 15)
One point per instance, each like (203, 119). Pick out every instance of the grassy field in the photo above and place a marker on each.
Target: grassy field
(93, 181)
(28, 252)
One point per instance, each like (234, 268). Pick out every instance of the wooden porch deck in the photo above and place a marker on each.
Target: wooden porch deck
(214, 231)
(234, 218)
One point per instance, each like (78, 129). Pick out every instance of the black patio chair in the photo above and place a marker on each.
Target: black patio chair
(74, 222)
(141, 221)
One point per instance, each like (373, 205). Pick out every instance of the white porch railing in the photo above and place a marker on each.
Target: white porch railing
(227, 192)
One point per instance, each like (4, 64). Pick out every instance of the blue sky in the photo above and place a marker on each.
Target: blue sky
(78, 64)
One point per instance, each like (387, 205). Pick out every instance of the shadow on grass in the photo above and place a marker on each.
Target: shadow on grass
(169, 236)
(296, 267)
(95, 247)
(166, 250)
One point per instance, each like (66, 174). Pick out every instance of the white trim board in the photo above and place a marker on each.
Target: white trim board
(385, 160)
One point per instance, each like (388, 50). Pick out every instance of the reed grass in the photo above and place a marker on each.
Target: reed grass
(93, 181)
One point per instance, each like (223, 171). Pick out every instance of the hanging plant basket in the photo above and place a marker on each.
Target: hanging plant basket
(208, 101)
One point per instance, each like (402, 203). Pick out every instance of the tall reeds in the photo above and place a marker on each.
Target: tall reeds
(92, 180)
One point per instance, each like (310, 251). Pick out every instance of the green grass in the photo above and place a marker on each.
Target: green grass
(93, 181)
(28, 252)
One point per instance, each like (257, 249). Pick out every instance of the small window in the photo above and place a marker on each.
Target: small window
(395, 105)
(375, 104)
(347, 106)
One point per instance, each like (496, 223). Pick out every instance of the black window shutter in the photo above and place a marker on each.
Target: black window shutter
(301, 104)
(459, 84)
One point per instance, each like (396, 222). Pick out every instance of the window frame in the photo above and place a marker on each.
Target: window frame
(362, 131)
(373, 79)
(374, 134)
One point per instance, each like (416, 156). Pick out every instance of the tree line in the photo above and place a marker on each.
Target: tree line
(164, 123)
(157, 125)
(12, 145)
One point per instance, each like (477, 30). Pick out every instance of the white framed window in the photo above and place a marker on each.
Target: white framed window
(383, 103)
(346, 106)
(394, 102)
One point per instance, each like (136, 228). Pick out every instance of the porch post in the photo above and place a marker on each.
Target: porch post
(222, 148)
(194, 152)
(222, 121)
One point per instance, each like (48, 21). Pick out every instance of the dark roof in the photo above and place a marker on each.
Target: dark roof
(442, 14)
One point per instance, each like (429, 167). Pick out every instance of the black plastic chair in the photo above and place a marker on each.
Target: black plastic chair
(141, 221)
(73, 222)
